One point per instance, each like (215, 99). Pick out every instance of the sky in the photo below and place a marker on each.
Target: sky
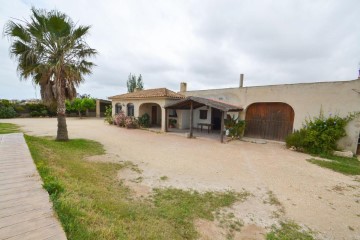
(204, 43)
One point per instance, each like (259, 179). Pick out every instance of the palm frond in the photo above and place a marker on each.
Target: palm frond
(51, 50)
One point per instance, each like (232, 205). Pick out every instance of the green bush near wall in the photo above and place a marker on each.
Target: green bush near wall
(144, 120)
(320, 134)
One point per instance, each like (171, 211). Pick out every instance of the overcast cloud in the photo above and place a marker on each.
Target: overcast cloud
(204, 43)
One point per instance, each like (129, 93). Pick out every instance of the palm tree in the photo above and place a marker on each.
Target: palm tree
(50, 50)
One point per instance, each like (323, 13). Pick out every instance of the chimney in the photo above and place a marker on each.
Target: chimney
(183, 87)
(241, 80)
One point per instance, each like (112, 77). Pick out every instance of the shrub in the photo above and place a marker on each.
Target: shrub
(34, 114)
(20, 109)
(108, 115)
(5, 103)
(44, 113)
(320, 134)
(119, 119)
(36, 107)
(144, 120)
(40, 110)
(131, 122)
(51, 112)
(296, 139)
(7, 112)
(235, 126)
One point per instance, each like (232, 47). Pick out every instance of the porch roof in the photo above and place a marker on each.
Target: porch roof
(200, 102)
(150, 93)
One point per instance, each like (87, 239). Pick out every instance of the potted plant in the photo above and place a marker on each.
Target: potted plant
(172, 123)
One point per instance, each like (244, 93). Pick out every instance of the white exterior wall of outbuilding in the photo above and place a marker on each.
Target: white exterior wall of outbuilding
(306, 99)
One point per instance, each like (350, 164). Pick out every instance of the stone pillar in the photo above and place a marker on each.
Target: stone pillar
(113, 108)
(97, 108)
(163, 119)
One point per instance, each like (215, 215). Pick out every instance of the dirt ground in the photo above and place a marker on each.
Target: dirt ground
(324, 201)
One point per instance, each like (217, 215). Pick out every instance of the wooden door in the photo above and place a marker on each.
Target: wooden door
(154, 115)
(272, 121)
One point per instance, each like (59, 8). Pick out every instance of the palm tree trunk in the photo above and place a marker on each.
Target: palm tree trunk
(62, 133)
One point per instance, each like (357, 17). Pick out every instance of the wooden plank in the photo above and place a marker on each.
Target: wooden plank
(25, 209)
(166, 119)
(222, 127)
(49, 232)
(269, 121)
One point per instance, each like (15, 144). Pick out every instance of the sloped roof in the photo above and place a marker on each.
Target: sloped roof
(150, 93)
(200, 102)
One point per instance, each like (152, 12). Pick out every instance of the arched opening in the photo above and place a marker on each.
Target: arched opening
(153, 110)
(269, 120)
(130, 109)
(118, 108)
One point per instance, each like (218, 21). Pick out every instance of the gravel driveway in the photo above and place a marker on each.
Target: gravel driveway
(325, 201)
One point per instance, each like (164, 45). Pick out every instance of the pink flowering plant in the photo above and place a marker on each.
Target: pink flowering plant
(130, 122)
(119, 119)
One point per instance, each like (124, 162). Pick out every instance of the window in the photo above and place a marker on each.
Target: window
(172, 113)
(118, 108)
(203, 114)
(130, 109)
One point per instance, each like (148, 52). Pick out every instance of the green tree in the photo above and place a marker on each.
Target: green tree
(131, 83)
(134, 82)
(139, 83)
(80, 105)
(88, 104)
(51, 50)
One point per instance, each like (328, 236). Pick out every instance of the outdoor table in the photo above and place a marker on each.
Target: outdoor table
(208, 125)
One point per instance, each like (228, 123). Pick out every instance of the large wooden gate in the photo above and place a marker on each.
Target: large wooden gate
(269, 120)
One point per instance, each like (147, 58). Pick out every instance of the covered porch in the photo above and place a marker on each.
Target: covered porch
(219, 108)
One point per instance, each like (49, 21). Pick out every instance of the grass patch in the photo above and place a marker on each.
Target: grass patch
(92, 204)
(348, 166)
(181, 207)
(229, 222)
(8, 128)
(273, 200)
(164, 178)
(287, 231)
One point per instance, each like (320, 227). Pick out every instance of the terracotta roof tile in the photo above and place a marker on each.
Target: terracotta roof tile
(150, 93)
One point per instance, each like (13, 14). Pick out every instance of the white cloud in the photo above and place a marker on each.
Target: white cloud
(205, 43)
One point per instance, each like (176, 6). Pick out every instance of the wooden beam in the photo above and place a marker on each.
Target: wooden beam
(222, 127)
(166, 119)
(191, 119)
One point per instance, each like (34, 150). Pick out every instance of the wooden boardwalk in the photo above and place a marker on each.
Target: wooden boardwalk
(25, 209)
